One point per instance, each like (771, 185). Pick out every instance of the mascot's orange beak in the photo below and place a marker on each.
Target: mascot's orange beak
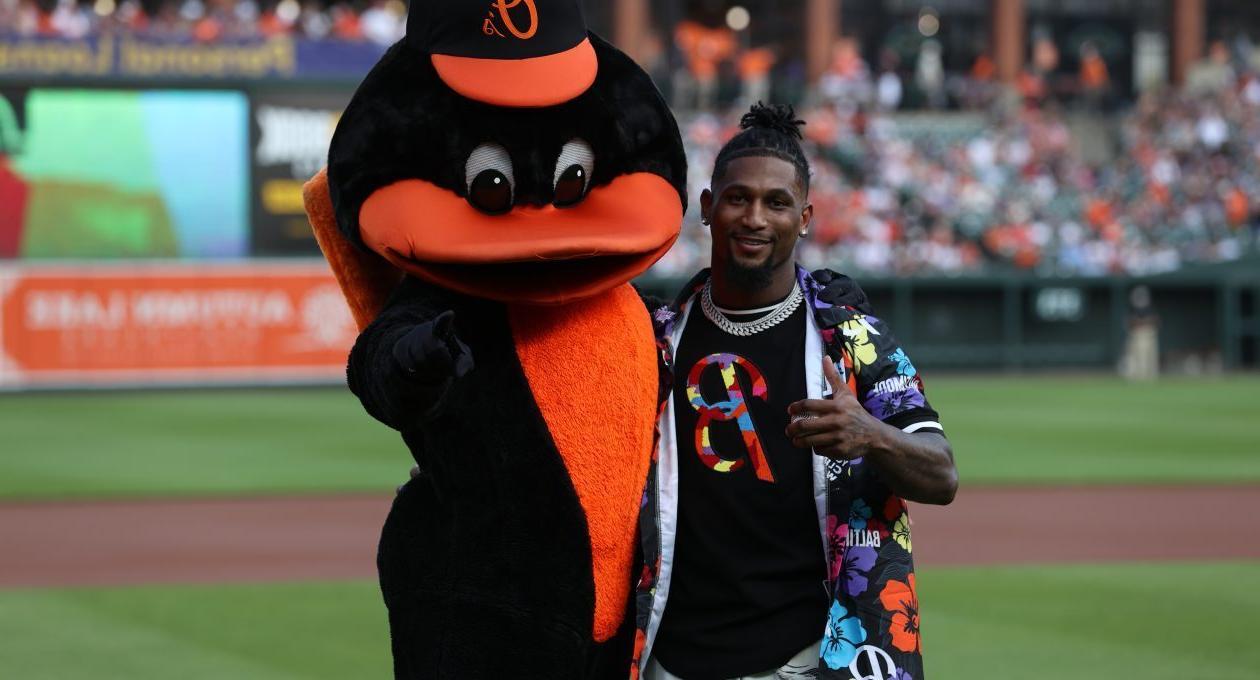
(541, 255)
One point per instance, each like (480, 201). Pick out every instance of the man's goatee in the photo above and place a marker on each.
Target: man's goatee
(750, 278)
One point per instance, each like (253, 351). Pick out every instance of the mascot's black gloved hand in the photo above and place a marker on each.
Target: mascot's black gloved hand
(402, 368)
(432, 352)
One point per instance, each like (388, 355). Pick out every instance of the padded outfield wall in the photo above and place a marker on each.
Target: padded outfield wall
(1209, 319)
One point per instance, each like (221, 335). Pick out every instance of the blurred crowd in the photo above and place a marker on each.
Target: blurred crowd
(1018, 182)
(377, 21)
(1017, 189)
(712, 67)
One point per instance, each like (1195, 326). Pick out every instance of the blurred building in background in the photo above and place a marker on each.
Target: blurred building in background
(1004, 147)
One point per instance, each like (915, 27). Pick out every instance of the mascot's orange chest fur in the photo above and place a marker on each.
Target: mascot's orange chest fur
(592, 368)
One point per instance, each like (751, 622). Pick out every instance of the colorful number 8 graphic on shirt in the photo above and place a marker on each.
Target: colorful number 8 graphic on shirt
(733, 408)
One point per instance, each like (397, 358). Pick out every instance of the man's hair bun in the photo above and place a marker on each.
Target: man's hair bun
(767, 131)
(778, 117)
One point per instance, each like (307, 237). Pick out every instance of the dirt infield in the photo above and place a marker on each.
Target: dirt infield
(1090, 524)
(315, 538)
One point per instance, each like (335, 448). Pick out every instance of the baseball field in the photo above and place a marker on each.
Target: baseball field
(1102, 530)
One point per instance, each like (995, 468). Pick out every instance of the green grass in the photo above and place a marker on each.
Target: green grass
(1141, 621)
(194, 442)
(280, 632)
(1004, 430)
(1101, 430)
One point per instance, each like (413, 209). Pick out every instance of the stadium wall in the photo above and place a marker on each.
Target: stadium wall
(1209, 319)
(165, 323)
(137, 324)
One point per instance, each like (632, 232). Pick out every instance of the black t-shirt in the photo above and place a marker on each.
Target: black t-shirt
(747, 588)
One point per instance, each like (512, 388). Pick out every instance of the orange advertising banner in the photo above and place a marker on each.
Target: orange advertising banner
(161, 324)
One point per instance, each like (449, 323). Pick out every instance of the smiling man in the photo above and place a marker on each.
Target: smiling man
(776, 520)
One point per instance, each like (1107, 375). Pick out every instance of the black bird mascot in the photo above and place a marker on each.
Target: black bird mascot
(496, 181)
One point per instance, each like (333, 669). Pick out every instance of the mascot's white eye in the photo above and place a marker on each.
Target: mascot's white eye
(573, 173)
(488, 175)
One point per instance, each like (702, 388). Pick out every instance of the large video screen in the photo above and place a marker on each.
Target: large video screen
(292, 130)
(123, 174)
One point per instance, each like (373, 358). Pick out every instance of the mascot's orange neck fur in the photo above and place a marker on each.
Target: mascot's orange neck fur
(592, 367)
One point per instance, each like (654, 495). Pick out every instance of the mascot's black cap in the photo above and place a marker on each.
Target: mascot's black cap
(522, 53)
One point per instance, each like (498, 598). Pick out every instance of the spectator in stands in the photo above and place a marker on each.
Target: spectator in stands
(1095, 81)
(1140, 360)
(929, 74)
(70, 20)
(704, 50)
(314, 20)
(888, 89)
(1213, 74)
(754, 75)
(345, 23)
(23, 17)
(275, 20)
(384, 21)
(979, 89)
(1034, 84)
(983, 69)
(847, 78)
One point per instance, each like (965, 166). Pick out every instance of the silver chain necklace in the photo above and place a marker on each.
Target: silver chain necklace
(772, 318)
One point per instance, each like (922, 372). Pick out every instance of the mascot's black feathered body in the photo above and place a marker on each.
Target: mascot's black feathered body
(494, 184)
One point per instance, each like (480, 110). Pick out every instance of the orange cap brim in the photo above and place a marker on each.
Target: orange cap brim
(524, 83)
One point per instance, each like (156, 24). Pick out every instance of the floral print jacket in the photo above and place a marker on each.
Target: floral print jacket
(872, 630)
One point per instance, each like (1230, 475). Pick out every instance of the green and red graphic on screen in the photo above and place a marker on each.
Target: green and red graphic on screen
(123, 174)
(13, 189)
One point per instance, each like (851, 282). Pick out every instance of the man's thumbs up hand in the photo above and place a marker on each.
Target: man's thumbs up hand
(835, 427)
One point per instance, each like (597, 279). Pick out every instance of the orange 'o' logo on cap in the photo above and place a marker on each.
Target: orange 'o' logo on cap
(489, 28)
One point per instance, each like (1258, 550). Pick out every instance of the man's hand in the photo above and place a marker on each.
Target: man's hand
(836, 427)
(918, 467)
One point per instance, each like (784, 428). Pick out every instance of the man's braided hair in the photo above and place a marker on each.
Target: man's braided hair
(767, 131)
